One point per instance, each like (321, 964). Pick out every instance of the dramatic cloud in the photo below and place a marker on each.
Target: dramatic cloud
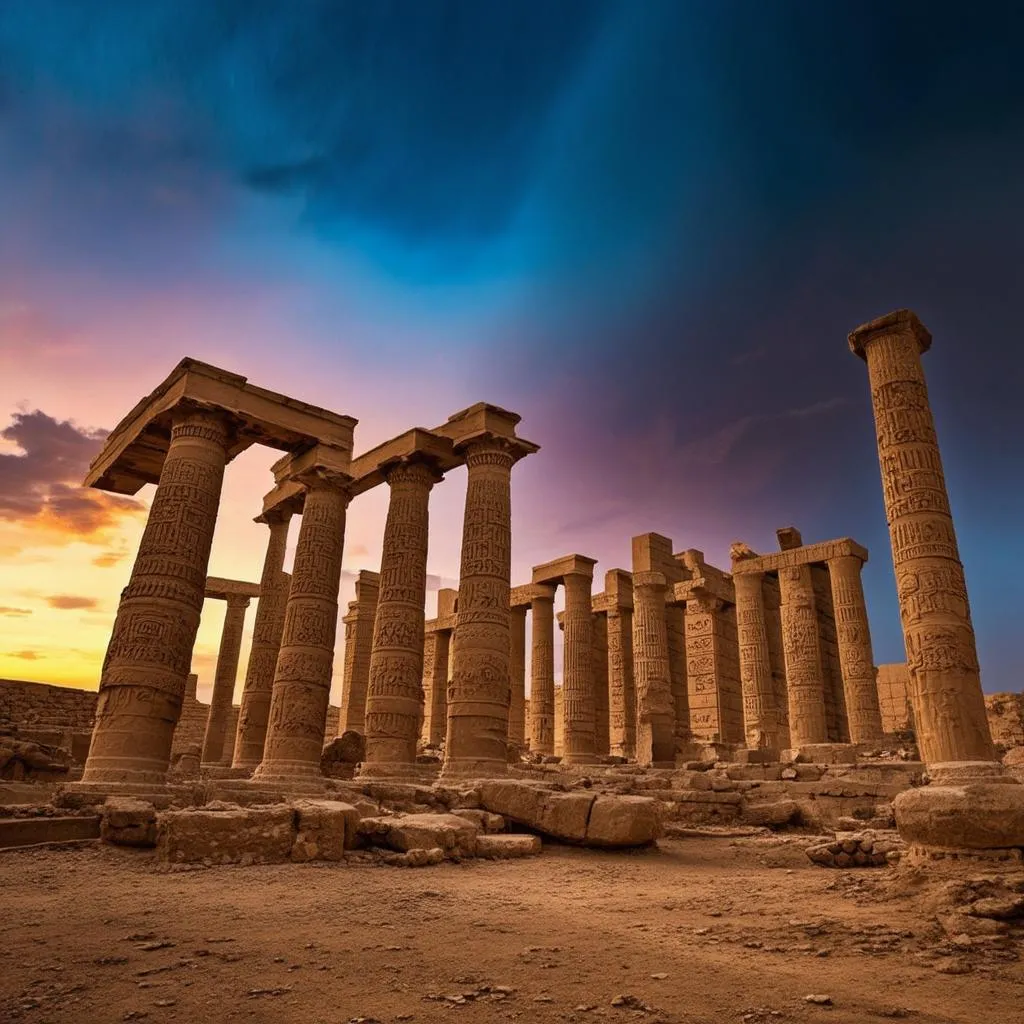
(70, 601)
(15, 613)
(41, 486)
(109, 559)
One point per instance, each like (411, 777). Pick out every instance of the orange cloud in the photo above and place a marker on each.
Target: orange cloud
(25, 655)
(15, 612)
(70, 601)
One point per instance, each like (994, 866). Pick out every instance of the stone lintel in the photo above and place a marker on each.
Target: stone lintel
(897, 322)
(652, 552)
(524, 596)
(219, 589)
(443, 623)
(133, 453)
(291, 472)
(720, 587)
(556, 570)
(649, 579)
(809, 554)
(370, 468)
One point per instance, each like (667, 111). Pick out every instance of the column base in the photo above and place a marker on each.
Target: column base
(86, 794)
(396, 770)
(821, 753)
(467, 769)
(962, 773)
(278, 788)
(224, 771)
(975, 817)
(581, 759)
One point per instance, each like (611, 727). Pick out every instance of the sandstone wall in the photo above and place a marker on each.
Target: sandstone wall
(1006, 718)
(893, 683)
(39, 706)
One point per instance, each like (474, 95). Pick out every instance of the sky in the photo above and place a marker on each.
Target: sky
(646, 227)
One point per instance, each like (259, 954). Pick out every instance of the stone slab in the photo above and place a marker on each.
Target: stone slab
(232, 835)
(16, 832)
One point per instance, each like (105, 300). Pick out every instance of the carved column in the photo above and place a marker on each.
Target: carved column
(760, 715)
(952, 727)
(804, 677)
(394, 695)
(542, 674)
(675, 630)
(358, 649)
(302, 680)
(655, 725)
(224, 680)
(856, 661)
(517, 679)
(621, 686)
(478, 696)
(436, 646)
(150, 649)
(602, 729)
(266, 642)
(578, 671)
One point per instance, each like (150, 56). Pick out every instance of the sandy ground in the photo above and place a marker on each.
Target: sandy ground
(700, 931)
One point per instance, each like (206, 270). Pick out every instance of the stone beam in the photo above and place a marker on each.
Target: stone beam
(524, 596)
(442, 623)
(289, 492)
(554, 572)
(719, 587)
(219, 589)
(808, 554)
(133, 453)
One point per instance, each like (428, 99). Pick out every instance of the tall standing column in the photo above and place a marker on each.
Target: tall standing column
(224, 680)
(150, 649)
(578, 672)
(655, 716)
(800, 648)
(856, 662)
(517, 678)
(621, 686)
(602, 726)
(394, 696)
(542, 674)
(760, 716)
(675, 630)
(478, 696)
(302, 679)
(358, 649)
(266, 643)
(436, 646)
(952, 727)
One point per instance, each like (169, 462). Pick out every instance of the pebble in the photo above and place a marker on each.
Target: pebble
(660, 976)
(818, 1000)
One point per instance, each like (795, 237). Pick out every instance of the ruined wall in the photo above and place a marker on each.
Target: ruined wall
(893, 682)
(1006, 718)
(39, 706)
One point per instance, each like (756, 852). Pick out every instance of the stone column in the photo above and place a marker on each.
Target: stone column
(804, 677)
(856, 662)
(517, 679)
(542, 674)
(436, 646)
(302, 679)
(578, 671)
(760, 716)
(224, 680)
(952, 727)
(478, 696)
(675, 630)
(655, 724)
(621, 687)
(266, 642)
(358, 649)
(602, 727)
(150, 650)
(394, 696)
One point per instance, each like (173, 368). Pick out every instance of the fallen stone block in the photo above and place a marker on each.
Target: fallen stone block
(773, 814)
(326, 829)
(240, 835)
(486, 821)
(29, 831)
(561, 815)
(128, 822)
(623, 821)
(456, 836)
(507, 846)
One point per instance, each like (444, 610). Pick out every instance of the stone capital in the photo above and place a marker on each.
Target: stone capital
(275, 516)
(651, 580)
(900, 321)
(238, 601)
(485, 442)
(555, 571)
(417, 468)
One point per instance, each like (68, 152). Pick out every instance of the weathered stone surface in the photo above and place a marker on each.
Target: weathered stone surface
(250, 835)
(774, 813)
(326, 829)
(504, 846)
(969, 817)
(128, 822)
(621, 821)
(486, 821)
(342, 754)
(454, 835)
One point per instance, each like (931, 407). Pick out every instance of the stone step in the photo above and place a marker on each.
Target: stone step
(15, 832)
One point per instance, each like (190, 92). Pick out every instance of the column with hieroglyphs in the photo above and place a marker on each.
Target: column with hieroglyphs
(224, 678)
(602, 725)
(578, 669)
(617, 603)
(358, 647)
(800, 648)
(517, 678)
(655, 714)
(542, 671)
(760, 714)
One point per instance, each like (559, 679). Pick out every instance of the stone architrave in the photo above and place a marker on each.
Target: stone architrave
(853, 636)
(655, 714)
(394, 696)
(517, 679)
(542, 672)
(436, 644)
(266, 642)
(302, 680)
(602, 726)
(224, 678)
(578, 671)
(800, 646)
(952, 727)
(358, 647)
(150, 650)
(760, 716)
(477, 740)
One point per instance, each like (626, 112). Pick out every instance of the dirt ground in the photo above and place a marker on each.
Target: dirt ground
(699, 931)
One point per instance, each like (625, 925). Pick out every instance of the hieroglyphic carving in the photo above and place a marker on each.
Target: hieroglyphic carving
(578, 672)
(358, 647)
(479, 692)
(675, 631)
(302, 678)
(602, 725)
(621, 685)
(773, 627)
(655, 714)
(517, 678)
(150, 650)
(266, 643)
(941, 647)
(802, 656)
(436, 648)
(760, 706)
(224, 680)
(853, 636)
(716, 708)
(394, 696)
(542, 675)
(831, 675)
